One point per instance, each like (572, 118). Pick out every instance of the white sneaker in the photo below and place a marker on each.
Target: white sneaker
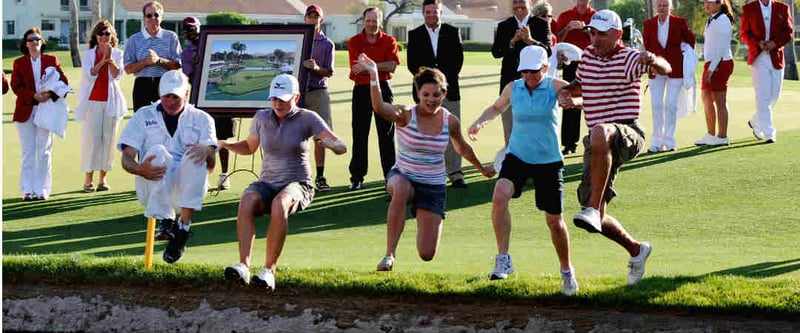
(708, 139)
(238, 273)
(723, 141)
(265, 279)
(588, 219)
(570, 284)
(224, 182)
(502, 267)
(636, 264)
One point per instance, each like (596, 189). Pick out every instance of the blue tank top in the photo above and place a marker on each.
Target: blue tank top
(534, 137)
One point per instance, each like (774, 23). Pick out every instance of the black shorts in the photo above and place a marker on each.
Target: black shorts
(224, 127)
(548, 181)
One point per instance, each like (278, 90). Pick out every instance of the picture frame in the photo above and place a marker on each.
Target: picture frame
(236, 63)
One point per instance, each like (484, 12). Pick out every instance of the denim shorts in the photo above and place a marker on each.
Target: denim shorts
(302, 193)
(426, 196)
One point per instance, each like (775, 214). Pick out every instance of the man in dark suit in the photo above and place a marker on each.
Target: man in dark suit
(511, 36)
(438, 45)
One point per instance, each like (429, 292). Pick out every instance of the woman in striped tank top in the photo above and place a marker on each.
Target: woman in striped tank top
(418, 177)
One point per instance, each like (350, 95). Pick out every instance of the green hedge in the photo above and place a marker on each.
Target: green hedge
(470, 45)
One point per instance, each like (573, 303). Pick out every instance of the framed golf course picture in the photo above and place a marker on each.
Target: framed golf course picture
(237, 64)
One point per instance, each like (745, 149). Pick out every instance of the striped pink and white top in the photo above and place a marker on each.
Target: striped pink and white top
(611, 85)
(420, 157)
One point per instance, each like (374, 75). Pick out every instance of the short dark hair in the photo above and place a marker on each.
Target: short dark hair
(431, 2)
(23, 43)
(430, 75)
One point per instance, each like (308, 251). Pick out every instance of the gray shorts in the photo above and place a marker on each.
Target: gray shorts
(302, 193)
(319, 101)
(627, 143)
(426, 196)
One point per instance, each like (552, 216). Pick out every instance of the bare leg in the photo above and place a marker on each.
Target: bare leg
(186, 215)
(429, 232)
(88, 178)
(710, 111)
(249, 206)
(103, 174)
(560, 238)
(319, 156)
(721, 101)
(614, 231)
(501, 217)
(601, 136)
(401, 191)
(278, 227)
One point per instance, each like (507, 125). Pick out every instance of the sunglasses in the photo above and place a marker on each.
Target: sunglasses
(190, 28)
(33, 39)
(106, 33)
(153, 15)
(530, 71)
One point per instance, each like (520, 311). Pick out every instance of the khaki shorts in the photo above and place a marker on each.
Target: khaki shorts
(627, 143)
(319, 101)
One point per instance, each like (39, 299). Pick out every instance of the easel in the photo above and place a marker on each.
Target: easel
(215, 191)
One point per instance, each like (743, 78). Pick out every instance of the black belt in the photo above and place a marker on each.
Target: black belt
(149, 78)
(315, 88)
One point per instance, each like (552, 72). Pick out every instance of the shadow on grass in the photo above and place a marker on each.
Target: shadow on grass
(16, 209)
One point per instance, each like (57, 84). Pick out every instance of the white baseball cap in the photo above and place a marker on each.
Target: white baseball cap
(173, 82)
(532, 57)
(284, 87)
(604, 20)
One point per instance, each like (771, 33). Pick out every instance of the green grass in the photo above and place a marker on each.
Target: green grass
(722, 220)
(246, 81)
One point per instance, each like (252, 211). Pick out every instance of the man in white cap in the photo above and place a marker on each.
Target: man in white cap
(176, 144)
(532, 152)
(609, 80)
(285, 185)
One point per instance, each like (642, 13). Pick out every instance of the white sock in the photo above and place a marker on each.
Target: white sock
(184, 226)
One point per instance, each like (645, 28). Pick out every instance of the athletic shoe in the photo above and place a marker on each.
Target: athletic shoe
(238, 273)
(265, 280)
(459, 183)
(88, 188)
(356, 185)
(502, 267)
(386, 264)
(588, 219)
(707, 140)
(176, 246)
(103, 187)
(166, 229)
(770, 141)
(722, 141)
(756, 134)
(654, 150)
(322, 184)
(636, 264)
(27, 197)
(224, 181)
(569, 284)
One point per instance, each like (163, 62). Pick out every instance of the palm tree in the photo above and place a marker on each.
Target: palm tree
(74, 51)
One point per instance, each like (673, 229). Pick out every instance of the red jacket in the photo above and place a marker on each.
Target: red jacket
(24, 86)
(752, 30)
(678, 33)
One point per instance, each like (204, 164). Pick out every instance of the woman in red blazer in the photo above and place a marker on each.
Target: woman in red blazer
(663, 35)
(37, 143)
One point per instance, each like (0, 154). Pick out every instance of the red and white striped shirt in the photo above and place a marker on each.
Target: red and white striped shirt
(611, 85)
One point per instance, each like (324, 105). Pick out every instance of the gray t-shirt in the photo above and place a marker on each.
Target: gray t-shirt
(286, 145)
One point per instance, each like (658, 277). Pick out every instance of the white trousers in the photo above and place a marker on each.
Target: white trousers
(97, 138)
(665, 110)
(767, 82)
(184, 185)
(37, 146)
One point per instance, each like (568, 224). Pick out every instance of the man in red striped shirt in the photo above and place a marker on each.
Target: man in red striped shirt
(609, 80)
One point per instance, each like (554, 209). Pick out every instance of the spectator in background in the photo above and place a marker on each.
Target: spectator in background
(438, 45)
(418, 178)
(544, 11)
(317, 97)
(765, 57)
(149, 54)
(609, 80)
(175, 145)
(382, 48)
(511, 36)
(569, 29)
(284, 187)
(532, 152)
(37, 143)
(101, 104)
(663, 36)
(716, 72)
